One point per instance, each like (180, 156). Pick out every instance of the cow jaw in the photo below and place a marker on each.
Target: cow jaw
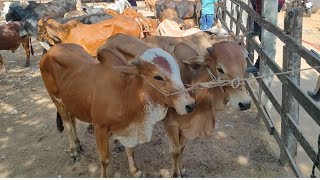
(167, 65)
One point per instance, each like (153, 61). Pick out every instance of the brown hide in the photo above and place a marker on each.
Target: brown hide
(148, 25)
(90, 37)
(10, 40)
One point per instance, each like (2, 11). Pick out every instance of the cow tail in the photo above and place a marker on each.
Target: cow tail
(59, 123)
(31, 47)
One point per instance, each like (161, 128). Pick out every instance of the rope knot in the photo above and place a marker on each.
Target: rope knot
(235, 83)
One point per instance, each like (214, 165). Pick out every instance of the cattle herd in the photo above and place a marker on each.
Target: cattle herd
(122, 72)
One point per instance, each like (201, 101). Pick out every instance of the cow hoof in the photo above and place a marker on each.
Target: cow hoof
(3, 70)
(175, 175)
(184, 173)
(90, 129)
(80, 148)
(137, 174)
(74, 160)
(27, 64)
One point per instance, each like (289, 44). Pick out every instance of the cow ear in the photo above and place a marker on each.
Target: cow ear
(182, 52)
(127, 70)
(196, 62)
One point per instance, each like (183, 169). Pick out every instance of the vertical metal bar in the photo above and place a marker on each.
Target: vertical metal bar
(291, 61)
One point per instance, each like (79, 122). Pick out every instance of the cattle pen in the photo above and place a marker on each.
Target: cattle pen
(238, 16)
(31, 146)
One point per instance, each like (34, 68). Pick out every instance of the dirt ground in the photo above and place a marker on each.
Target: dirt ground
(31, 146)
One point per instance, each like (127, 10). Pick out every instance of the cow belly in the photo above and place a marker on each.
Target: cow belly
(139, 133)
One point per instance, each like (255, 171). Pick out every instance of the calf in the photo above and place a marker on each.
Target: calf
(107, 93)
(185, 9)
(226, 62)
(10, 40)
(75, 32)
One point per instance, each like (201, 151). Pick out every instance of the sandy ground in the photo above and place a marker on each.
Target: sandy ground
(31, 146)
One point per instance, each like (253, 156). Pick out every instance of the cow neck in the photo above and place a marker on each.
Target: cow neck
(58, 29)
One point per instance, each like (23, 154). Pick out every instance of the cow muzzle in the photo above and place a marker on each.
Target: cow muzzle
(244, 105)
(183, 103)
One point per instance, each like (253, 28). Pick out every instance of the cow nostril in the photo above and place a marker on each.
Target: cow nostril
(244, 106)
(190, 108)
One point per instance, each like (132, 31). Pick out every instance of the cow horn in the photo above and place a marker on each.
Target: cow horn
(136, 62)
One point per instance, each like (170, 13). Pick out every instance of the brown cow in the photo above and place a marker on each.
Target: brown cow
(226, 61)
(226, 64)
(147, 25)
(122, 100)
(90, 37)
(199, 41)
(10, 40)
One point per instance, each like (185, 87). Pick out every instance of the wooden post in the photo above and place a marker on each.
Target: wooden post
(232, 14)
(239, 19)
(291, 61)
(224, 14)
(249, 28)
(268, 43)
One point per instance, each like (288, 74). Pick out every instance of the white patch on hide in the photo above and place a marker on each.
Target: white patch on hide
(141, 133)
(150, 54)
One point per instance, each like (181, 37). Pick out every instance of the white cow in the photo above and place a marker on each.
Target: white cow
(118, 5)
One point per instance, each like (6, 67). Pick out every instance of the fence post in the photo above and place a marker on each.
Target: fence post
(291, 61)
(249, 28)
(224, 8)
(232, 14)
(268, 43)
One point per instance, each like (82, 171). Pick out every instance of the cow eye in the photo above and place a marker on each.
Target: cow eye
(158, 78)
(220, 70)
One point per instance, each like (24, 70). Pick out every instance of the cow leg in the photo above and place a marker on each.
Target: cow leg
(2, 68)
(134, 171)
(182, 146)
(68, 124)
(174, 149)
(75, 135)
(26, 47)
(102, 140)
(67, 121)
